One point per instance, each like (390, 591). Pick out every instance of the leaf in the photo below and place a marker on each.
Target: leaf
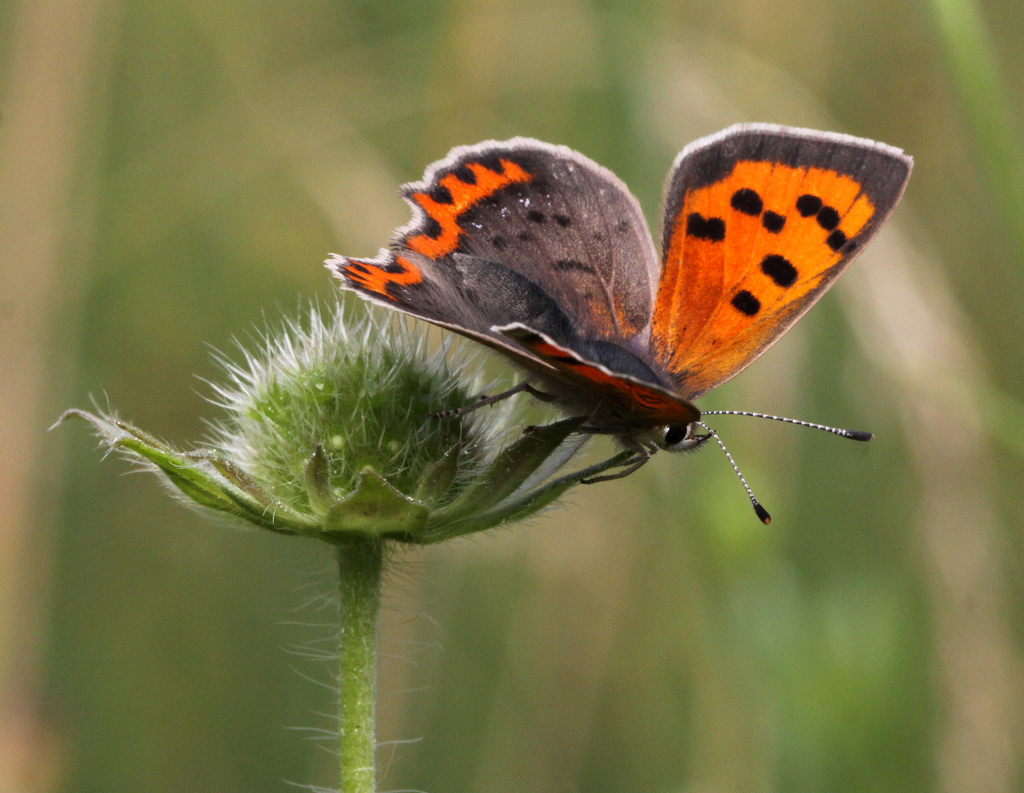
(375, 507)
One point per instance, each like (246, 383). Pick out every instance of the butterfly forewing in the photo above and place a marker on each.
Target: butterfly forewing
(759, 221)
(518, 231)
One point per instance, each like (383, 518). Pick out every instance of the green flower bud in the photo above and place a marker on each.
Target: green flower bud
(333, 428)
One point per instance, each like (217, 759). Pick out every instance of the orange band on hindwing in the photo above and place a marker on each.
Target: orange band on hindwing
(453, 194)
(371, 277)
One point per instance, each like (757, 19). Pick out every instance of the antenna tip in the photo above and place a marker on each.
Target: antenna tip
(762, 513)
(860, 435)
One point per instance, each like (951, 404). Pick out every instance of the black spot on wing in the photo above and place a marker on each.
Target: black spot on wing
(464, 174)
(431, 228)
(773, 222)
(747, 201)
(779, 269)
(808, 205)
(836, 240)
(440, 194)
(828, 218)
(711, 229)
(744, 302)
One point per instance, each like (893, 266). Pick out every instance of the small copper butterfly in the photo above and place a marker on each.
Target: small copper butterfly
(542, 254)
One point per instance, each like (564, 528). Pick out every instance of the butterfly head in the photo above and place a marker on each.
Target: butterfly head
(679, 437)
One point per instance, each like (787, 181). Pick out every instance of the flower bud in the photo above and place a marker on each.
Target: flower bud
(333, 427)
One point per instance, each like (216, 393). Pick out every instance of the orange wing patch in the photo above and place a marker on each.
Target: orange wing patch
(746, 256)
(453, 194)
(369, 276)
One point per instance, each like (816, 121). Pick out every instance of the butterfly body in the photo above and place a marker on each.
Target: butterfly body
(545, 256)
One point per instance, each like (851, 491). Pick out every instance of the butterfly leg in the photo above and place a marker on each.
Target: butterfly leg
(483, 400)
(644, 452)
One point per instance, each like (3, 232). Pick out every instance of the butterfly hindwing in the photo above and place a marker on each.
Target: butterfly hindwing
(759, 220)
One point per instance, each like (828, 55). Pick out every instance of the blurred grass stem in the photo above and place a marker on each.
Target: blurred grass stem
(360, 563)
(968, 45)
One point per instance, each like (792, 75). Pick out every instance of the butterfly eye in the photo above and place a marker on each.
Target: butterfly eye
(677, 437)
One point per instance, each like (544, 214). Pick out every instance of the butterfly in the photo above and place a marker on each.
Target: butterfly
(543, 255)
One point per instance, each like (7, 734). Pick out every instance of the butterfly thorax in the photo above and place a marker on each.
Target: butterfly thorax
(618, 392)
(616, 413)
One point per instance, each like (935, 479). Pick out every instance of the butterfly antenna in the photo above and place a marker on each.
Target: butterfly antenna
(857, 435)
(762, 513)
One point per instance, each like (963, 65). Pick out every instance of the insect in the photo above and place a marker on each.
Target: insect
(545, 256)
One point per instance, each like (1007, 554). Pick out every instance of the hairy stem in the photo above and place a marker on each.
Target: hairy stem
(360, 562)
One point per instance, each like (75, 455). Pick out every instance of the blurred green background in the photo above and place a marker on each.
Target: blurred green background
(172, 173)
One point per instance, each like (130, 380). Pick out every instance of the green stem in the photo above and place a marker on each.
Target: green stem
(360, 562)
